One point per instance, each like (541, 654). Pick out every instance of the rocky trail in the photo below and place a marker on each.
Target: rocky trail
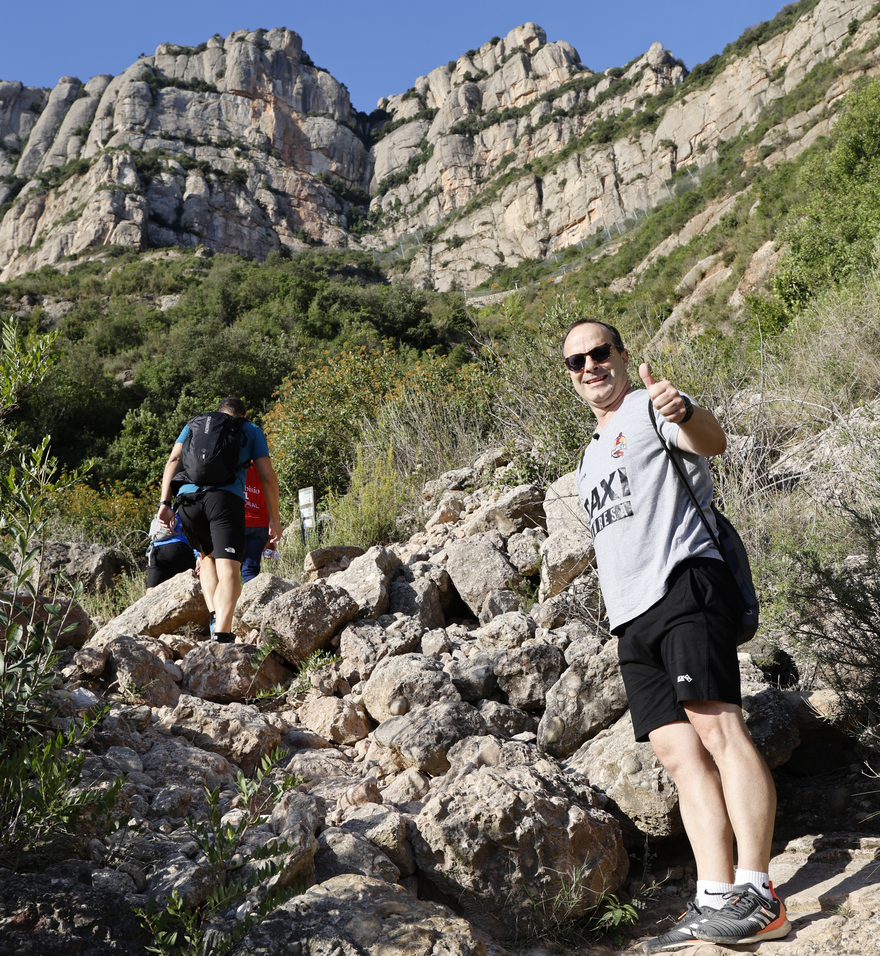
(459, 774)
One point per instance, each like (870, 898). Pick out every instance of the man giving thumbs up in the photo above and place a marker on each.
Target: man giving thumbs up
(674, 607)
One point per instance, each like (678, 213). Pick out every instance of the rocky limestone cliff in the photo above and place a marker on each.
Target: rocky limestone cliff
(512, 152)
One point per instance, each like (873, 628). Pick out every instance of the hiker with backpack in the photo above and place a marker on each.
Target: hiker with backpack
(168, 554)
(676, 608)
(210, 459)
(256, 523)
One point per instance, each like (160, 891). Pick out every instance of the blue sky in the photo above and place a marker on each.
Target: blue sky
(375, 47)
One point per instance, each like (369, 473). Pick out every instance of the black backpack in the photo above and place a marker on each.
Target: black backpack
(729, 545)
(211, 449)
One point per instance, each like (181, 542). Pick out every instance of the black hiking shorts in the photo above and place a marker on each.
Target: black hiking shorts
(683, 648)
(167, 560)
(213, 522)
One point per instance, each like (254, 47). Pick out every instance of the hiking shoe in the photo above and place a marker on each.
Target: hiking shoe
(683, 933)
(212, 625)
(746, 917)
(224, 637)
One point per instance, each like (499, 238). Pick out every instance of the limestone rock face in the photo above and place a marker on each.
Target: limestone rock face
(141, 673)
(526, 673)
(414, 679)
(226, 672)
(505, 631)
(512, 512)
(238, 732)
(341, 851)
(474, 677)
(385, 828)
(255, 595)
(368, 580)
(418, 599)
(175, 761)
(587, 698)
(303, 620)
(562, 506)
(92, 564)
(379, 918)
(641, 793)
(565, 555)
(267, 123)
(252, 89)
(341, 721)
(506, 826)
(478, 566)
(524, 550)
(363, 644)
(173, 604)
(422, 738)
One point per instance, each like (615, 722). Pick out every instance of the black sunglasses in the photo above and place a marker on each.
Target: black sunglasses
(576, 362)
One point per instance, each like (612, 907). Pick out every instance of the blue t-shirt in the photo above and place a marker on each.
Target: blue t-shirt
(253, 446)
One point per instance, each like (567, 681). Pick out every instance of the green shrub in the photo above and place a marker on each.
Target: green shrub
(181, 930)
(833, 609)
(833, 235)
(40, 797)
(370, 512)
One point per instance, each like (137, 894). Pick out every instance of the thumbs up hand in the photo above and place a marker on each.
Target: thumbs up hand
(664, 396)
(647, 377)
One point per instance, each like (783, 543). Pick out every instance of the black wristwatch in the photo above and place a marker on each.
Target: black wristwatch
(688, 410)
(169, 503)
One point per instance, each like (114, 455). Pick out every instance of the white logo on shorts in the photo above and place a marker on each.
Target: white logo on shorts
(232, 551)
(682, 677)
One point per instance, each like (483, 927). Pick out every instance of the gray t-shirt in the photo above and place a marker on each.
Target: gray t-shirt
(642, 520)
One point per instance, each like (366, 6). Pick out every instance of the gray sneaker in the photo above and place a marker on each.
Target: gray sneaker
(747, 917)
(682, 934)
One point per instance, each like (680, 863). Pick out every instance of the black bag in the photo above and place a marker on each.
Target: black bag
(211, 449)
(730, 547)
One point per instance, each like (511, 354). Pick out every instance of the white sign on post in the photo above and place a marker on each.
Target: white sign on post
(307, 509)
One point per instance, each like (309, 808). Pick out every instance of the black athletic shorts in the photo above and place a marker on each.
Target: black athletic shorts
(166, 560)
(684, 647)
(213, 521)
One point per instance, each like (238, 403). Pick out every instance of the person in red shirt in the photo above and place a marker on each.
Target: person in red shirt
(256, 521)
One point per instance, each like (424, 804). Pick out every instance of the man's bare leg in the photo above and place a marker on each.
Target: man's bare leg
(225, 593)
(208, 579)
(221, 586)
(749, 791)
(701, 798)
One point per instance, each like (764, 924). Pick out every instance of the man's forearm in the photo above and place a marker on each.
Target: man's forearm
(172, 466)
(702, 434)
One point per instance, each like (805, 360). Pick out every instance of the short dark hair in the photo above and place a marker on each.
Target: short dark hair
(616, 340)
(233, 406)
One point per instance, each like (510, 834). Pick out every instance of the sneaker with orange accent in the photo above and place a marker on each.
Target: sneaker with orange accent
(746, 917)
(684, 933)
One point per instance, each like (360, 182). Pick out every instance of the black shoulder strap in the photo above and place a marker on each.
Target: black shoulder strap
(676, 464)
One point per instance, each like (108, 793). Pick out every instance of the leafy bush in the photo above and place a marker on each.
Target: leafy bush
(181, 930)
(30, 626)
(108, 514)
(314, 425)
(40, 796)
(369, 512)
(833, 235)
(441, 419)
(833, 609)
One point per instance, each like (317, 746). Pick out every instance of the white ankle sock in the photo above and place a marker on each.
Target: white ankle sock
(711, 894)
(760, 881)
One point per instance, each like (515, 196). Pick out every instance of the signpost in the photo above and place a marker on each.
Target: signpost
(306, 512)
